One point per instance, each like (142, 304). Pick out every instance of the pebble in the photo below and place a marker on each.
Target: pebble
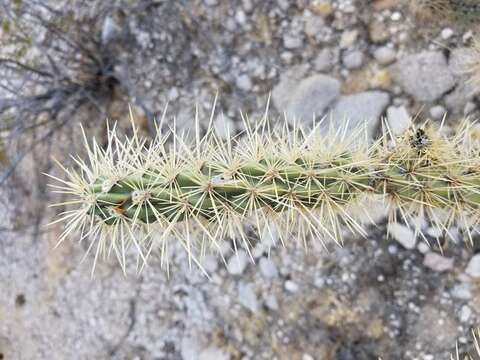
(398, 119)
(437, 112)
(314, 25)
(324, 60)
(385, 55)
(292, 42)
(348, 38)
(247, 297)
(461, 292)
(404, 235)
(237, 263)
(437, 262)
(353, 60)
(271, 302)
(361, 108)
(415, 74)
(224, 126)
(469, 108)
(447, 33)
(423, 247)
(473, 267)
(211, 2)
(311, 98)
(268, 268)
(291, 286)
(396, 16)
(243, 82)
(465, 313)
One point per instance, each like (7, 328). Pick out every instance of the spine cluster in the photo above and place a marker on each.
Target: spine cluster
(299, 184)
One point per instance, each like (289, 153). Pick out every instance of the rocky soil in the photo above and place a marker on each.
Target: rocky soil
(361, 60)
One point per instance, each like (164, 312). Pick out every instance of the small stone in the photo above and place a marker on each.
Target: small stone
(377, 31)
(396, 16)
(213, 353)
(381, 79)
(375, 329)
(240, 17)
(237, 263)
(269, 236)
(324, 60)
(353, 60)
(359, 109)
(271, 302)
(447, 33)
(268, 268)
(243, 82)
(469, 108)
(404, 235)
(348, 38)
(110, 30)
(398, 119)
(437, 262)
(423, 247)
(461, 292)
(314, 25)
(211, 2)
(310, 98)
(437, 112)
(290, 286)
(465, 313)
(385, 55)
(247, 297)
(224, 126)
(473, 267)
(307, 357)
(414, 73)
(292, 42)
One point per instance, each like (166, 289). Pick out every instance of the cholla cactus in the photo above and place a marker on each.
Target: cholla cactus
(476, 344)
(460, 10)
(299, 184)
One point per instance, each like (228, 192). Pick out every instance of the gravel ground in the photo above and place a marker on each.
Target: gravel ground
(394, 298)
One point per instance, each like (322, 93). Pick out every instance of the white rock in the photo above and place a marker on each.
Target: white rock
(324, 60)
(353, 60)
(314, 25)
(398, 119)
(461, 292)
(224, 126)
(243, 82)
(437, 262)
(211, 2)
(473, 267)
(189, 348)
(426, 75)
(404, 235)
(423, 247)
(348, 38)
(447, 33)
(396, 16)
(437, 112)
(465, 313)
(292, 42)
(268, 268)
(311, 97)
(385, 55)
(291, 286)
(213, 353)
(237, 263)
(247, 297)
(360, 109)
(271, 302)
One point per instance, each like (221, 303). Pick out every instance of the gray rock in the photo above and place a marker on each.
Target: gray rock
(247, 297)
(271, 302)
(292, 42)
(268, 268)
(110, 30)
(437, 112)
(237, 263)
(398, 119)
(426, 76)
(314, 25)
(243, 82)
(404, 235)
(310, 98)
(291, 286)
(365, 107)
(353, 60)
(473, 267)
(325, 60)
(385, 55)
(437, 262)
(465, 313)
(461, 292)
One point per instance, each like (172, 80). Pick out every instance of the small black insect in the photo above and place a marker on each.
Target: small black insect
(419, 139)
